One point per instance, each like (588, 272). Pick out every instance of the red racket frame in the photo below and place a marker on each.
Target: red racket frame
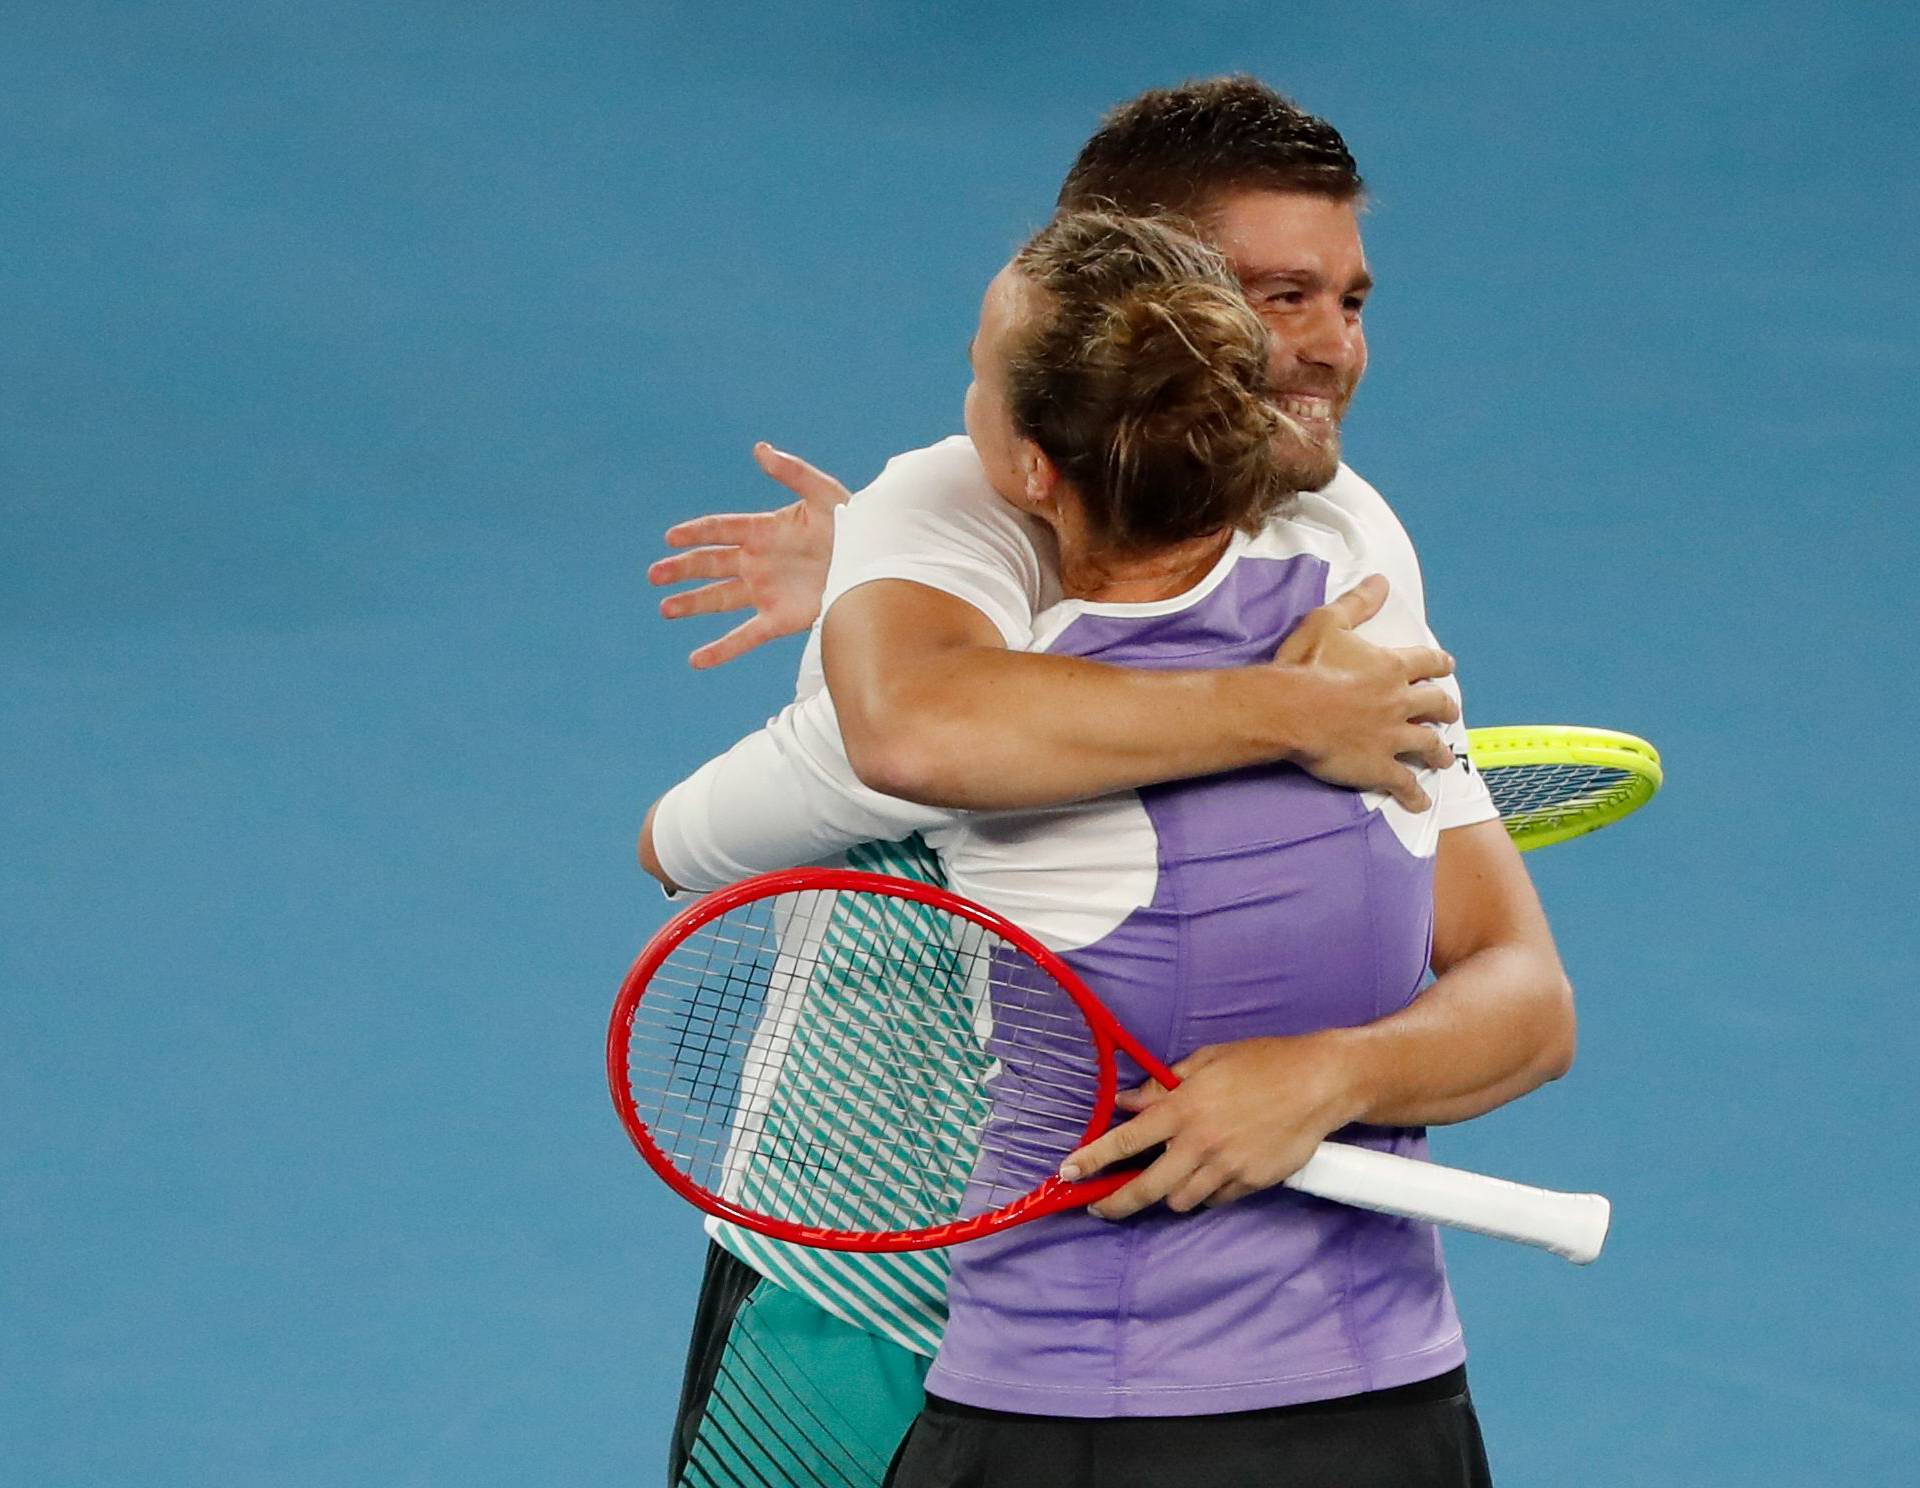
(1052, 1196)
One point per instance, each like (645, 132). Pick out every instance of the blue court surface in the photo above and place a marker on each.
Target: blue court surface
(355, 357)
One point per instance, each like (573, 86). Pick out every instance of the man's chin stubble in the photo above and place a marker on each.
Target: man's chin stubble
(1310, 469)
(1307, 463)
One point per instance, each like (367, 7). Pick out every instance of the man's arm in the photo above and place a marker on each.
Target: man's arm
(1496, 1022)
(935, 708)
(650, 854)
(781, 797)
(938, 709)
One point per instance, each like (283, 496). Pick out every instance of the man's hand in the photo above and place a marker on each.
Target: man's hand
(774, 562)
(1371, 706)
(1244, 1116)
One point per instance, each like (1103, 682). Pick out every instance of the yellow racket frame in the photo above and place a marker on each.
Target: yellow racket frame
(1605, 800)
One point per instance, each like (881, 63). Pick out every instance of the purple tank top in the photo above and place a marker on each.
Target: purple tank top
(1281, 905)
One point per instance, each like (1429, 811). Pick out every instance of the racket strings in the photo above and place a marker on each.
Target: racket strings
(1525, 794)
(859, 1061)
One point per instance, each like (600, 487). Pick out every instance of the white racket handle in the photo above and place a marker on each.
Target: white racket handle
(1573, 1225)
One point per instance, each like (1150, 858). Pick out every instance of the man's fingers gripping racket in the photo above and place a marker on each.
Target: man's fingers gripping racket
(864, 1063)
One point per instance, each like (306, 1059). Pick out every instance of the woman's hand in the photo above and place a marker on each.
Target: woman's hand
(1245, 1116)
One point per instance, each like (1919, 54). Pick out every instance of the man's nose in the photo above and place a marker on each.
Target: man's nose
(1329, 337)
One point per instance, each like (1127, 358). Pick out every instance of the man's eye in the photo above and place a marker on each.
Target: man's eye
(1287, 297)
(1353, 304)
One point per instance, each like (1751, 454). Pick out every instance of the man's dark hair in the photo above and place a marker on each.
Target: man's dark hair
(1179, 150)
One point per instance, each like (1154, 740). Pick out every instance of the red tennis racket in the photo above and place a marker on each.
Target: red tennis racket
(857, 1062)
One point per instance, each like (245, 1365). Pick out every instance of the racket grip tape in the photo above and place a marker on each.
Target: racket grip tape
(1572, 1225)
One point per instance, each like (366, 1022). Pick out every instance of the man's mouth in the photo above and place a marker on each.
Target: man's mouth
(1306, 407)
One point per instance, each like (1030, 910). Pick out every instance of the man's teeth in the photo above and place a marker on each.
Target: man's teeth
(1307, 408)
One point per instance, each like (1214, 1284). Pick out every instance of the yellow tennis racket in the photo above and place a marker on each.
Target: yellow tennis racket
(1551, 781)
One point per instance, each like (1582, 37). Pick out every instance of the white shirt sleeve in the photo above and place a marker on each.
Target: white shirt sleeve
(780, 798)
(931, 517)
(1459, 794)
(787, 795)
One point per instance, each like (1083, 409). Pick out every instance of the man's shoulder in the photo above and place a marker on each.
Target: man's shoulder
(1364, 532)
(937, 502)
(1350, 503)
(932, 517)
(1352, 493)
(943, 475)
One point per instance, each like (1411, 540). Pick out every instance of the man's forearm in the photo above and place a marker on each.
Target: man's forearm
(1247, 1114)
(1496, 1022)
(1495, 1026)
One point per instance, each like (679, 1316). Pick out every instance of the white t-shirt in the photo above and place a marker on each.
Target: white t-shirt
(787, 795)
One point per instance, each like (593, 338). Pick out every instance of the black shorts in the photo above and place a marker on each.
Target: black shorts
(1422, 1435)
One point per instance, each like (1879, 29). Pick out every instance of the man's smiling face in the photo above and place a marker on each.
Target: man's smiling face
(1300, 260)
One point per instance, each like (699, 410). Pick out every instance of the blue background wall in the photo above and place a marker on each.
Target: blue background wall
(355, 355)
